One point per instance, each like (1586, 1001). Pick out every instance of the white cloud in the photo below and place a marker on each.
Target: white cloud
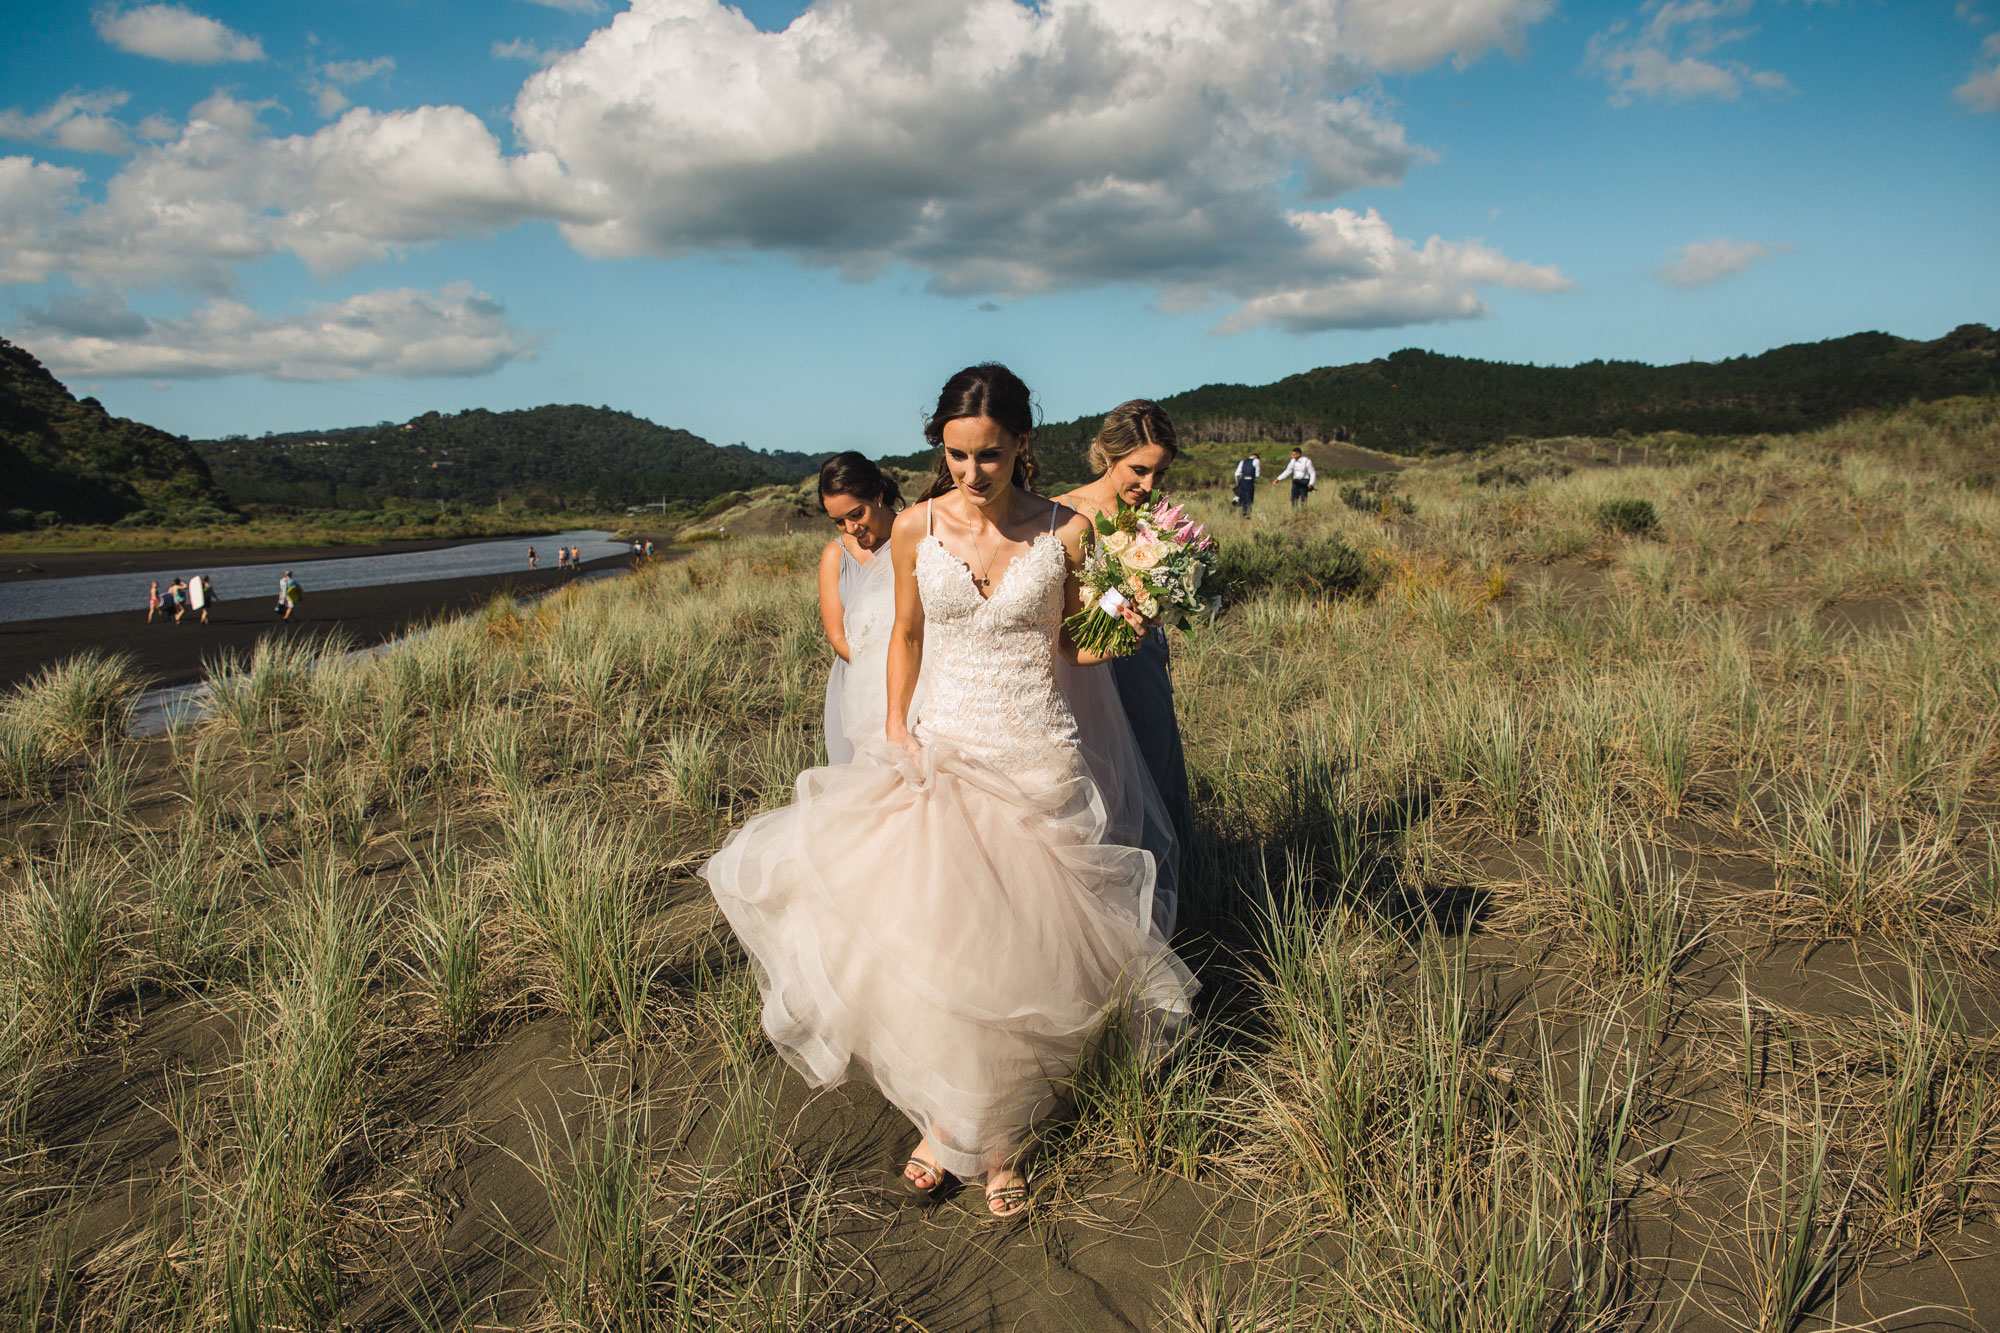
(226, 191)
(456, 330)
(171, 32)
(521, 49)
(1669, 55)
(1188, 146)
(77, 121)
(1384, 281)
(89, 314)
(356, 71)
(1981, 92)
(1004, 149)
(1701, 262)
(326, 82)
(36, 200)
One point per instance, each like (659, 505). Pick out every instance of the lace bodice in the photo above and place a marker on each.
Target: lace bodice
(989, 663)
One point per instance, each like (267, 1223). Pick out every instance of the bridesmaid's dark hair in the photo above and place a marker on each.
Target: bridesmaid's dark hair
(987, 390)
(857, 475)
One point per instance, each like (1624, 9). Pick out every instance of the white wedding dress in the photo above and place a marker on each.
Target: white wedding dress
(956, 927)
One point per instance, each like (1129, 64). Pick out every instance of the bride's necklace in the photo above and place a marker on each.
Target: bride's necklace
(981, 579)
(982, 576)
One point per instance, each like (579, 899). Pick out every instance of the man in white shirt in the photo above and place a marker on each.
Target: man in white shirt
(1302, 474)
(1247, 473)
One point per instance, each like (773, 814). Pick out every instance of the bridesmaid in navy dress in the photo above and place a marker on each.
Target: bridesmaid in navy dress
(1130, 455)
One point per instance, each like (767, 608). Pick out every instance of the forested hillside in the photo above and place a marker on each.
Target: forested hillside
(555, 458)
(1415, 402)
(69, 460)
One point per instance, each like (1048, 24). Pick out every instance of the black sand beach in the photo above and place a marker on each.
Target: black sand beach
(172, 654)
(20, 566)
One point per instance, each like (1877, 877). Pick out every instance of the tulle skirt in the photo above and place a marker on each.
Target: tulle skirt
(952, 935)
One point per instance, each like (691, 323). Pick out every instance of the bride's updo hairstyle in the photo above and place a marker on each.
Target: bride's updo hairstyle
(1130, 426)
(857, 475)
(986, 390)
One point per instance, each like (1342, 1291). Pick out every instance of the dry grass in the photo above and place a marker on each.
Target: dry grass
(1596, 933)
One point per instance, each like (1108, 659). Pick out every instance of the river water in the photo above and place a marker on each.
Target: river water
(92, 594)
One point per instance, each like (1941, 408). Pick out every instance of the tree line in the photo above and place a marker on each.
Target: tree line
(1414, 402)
(562, 457)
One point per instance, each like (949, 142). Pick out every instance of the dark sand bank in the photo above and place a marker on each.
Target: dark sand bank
(16, 566)
(172, 654)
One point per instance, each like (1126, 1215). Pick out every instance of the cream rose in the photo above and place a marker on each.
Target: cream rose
(1141, 555)
(1116, 542)
(1149, 607)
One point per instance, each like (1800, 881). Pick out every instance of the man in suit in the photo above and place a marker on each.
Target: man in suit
(1247, 473)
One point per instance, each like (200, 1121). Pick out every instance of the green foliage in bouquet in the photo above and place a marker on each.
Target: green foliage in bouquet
(1156, 557)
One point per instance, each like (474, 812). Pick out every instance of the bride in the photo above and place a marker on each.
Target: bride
(946, 916)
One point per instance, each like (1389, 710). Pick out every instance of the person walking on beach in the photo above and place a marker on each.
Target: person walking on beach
(177, 597)
(1302, 475)
(153, 602)
(198, 596)
(534, 560)
(575, 558)
(1247, 472)
(288, 595)
(945, 916)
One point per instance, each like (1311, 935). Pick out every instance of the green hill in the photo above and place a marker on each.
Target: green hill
(1415, 402)
(555, 458)
(69, 460)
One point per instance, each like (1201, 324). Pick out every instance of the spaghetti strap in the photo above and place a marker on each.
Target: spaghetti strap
(1054, 505)
(927, 516)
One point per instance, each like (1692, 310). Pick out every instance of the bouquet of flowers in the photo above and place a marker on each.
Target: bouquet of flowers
(1152, 559)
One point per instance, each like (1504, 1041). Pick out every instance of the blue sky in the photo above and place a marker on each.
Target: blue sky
(788, 224)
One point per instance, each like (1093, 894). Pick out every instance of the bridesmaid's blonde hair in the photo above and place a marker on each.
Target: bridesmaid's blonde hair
(1130, 426)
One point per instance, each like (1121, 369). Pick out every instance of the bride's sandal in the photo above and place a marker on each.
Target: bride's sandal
(1007, 1205)
(916, 1192)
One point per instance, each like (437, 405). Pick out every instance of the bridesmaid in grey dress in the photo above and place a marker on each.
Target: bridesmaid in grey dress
(1130, 455)
(856, 598)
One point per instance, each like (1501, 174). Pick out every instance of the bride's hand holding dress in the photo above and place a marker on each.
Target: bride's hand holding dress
(951, 923)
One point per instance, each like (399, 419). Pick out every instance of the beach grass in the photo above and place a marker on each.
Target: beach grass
(1595, 919)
